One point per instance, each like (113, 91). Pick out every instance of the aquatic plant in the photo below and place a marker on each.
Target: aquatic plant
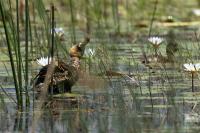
(43, 61)
(192, 69)
(155, 42)
(73, 21)
(11, 34)
(59, 32)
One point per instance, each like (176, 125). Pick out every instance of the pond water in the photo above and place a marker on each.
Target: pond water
(144, 99)
(118, 90)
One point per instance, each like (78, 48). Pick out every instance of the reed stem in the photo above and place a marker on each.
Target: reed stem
(192, 82)
(26, 51)
(52, 31)
(73, 36)
(87, 16)
(19, 99)
(19, 61)
(149, 86)
(52, 38)
(153, 16)
(116, 15)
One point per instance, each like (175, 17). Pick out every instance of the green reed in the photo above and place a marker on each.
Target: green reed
(27, 50)
(73, 21)
(9, 36)
(19, 59)
(20, 69)
(115, 12)
(87, 14)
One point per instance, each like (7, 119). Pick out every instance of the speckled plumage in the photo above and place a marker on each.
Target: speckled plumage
(65, 75)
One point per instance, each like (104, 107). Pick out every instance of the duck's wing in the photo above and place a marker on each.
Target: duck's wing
(62, 73)
(65, 73)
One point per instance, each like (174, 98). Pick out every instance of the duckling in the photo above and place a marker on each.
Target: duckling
(65, 75)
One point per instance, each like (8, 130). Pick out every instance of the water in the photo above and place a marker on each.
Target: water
(156, 99)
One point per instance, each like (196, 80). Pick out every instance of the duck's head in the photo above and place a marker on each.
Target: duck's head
(78, 50)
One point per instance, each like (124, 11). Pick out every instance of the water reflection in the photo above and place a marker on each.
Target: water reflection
(86, 119)
(123, 107)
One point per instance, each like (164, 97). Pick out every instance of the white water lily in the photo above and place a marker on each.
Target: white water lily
(192, 67)
(155, 40)
(192, 118)
(196, 12)
(89, 52)
(59, 31)
(43, 61)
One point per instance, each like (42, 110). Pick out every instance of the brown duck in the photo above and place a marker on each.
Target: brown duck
(65, 75)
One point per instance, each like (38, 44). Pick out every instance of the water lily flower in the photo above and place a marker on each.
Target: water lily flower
(59, 32)
(89, 52)
(196, 12)
(192, 67)
(155, 41)
(43, 61)
(192, 117)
